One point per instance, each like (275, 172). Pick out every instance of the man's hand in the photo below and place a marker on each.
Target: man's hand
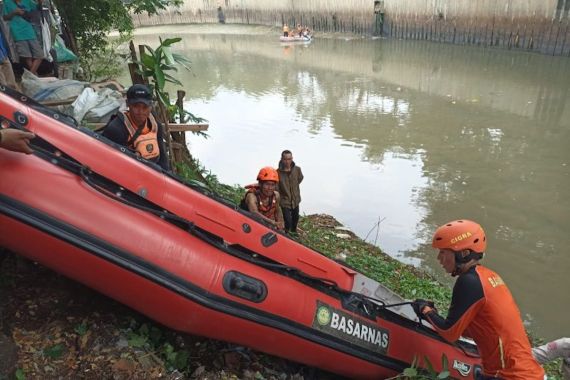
(419, 305)
(16, 140)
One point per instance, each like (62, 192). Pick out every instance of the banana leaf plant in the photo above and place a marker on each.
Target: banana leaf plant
(156, 64)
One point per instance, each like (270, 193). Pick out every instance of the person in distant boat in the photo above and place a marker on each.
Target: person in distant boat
(137, 128)
(290, 177)
(16, 140)
(299, 31)
(285, 30)
(482, 306)
(262, 199)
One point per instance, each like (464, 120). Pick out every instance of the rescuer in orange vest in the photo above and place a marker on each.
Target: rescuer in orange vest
(262, 199)
(482, 306)
(137, 128)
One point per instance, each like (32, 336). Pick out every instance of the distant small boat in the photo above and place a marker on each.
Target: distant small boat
(303, 39)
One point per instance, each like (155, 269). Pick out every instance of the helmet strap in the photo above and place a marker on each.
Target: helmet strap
(462, 258)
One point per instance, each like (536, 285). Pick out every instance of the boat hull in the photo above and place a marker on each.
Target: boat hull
(199, 278)
(296, 39)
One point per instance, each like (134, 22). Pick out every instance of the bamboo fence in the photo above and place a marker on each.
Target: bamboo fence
(534, 25)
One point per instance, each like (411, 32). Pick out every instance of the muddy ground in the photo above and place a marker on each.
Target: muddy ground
(52, 327)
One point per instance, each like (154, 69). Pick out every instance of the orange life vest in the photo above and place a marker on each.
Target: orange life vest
(146, 143)
(269, 210)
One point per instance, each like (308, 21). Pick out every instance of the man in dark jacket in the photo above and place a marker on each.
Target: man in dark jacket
(138, 129)
(290, 176)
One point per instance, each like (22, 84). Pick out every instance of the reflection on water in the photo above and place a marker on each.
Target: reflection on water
(404, 135)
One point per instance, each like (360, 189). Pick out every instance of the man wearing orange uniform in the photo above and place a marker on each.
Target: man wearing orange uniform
(263, 200)
(482, 306)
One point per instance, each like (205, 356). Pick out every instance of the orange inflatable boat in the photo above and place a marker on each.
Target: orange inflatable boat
(93, 211)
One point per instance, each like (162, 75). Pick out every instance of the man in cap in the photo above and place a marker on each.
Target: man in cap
(137, 128)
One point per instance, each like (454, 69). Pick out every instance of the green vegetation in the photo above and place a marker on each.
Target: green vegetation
(318, 233)
(154, 339)
(88, 332)
(87, 23)
(107, 63)
(156, 65)
(415, 372)
(371, 261)
(200, 176)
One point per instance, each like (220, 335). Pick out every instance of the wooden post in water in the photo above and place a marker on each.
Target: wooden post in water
(179, 137)
(136, 77)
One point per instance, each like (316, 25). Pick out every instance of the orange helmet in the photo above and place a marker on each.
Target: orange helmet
(268, 174)
(460, 235)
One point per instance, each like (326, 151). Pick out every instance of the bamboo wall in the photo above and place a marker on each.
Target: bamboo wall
(535, 25)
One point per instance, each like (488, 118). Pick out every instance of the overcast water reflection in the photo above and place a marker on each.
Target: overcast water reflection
(404, 136)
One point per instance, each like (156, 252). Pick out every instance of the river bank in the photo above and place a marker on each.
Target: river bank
(61, 329)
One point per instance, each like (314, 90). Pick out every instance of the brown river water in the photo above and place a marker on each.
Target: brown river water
(398, 137)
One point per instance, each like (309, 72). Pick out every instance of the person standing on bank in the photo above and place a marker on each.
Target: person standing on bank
(290, 177)
(138, 129)
(18, 13)
(482, 306)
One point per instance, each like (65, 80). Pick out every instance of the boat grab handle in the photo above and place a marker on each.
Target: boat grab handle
(244, 286)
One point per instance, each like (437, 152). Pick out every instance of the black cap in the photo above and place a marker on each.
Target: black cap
(139, 93)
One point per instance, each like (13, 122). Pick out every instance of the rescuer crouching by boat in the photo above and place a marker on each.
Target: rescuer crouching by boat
(482, 306)
(137, 128)
(263, 200)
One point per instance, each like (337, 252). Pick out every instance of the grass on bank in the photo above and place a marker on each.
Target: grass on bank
(319, 234)
(64, 329)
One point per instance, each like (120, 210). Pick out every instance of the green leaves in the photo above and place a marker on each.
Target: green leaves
(148, 62)
(152, 6)
(81, 329)
(151, 338)
(137, 340)
(410, 372)
(159, 77)
(91, 21)
(20, 375)
(55, 351)
(156, 65)
(175, 359)
(415, 372)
